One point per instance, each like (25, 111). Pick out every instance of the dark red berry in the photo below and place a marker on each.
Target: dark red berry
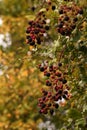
(40, 111)
(44, 98)
(50, 68)
(56, 88)
(49, 3)
(45, 112)
(56, 98)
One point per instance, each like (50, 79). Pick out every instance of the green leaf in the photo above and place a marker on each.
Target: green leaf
(74, 113)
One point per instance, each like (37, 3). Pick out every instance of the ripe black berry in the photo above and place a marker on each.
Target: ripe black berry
(73, 26)
(49, 105)
(66, 92)
(48, 83)
(41, 69)
(45, 92)
(56, 105)
(53, 7)
(60, 25)
(47, 27)
(80, 11)
(64, 81)
(67, 32)
(27, 37)
(58, 74)
(36, 31)
(63, 32)
(32, 43)
(38, 41)
(43, 105)
(75, 19)
(33, 8)
(47, 74)
(66, 18)
(51, 111)
(60, 11)
(30, 39)
(60, 91)
(64, 96)
(27, 31)
(60, 97)
(30, 22)
(59, 64)
(44, 22)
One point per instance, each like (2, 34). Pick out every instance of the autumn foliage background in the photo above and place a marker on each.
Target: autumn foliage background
(20, 79)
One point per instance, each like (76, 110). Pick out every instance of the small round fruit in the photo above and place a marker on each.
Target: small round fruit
(51, 111)
(60, 64)
(60, 11)
(32, 43)
(66, 18)
(41, 69)
(53, 7)
(56, 105)
(80, 11)
(47, 27)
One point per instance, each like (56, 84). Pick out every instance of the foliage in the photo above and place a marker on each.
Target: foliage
(20, 79)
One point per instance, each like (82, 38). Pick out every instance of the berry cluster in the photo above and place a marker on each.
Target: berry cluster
(58, 90)
(68, 18)
(38, 28)
(35, 32)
